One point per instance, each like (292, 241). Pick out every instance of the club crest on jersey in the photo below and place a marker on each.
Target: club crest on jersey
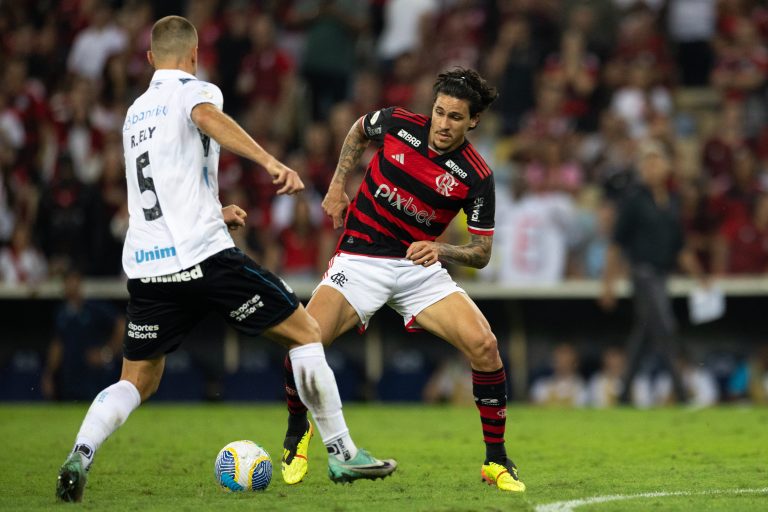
(339, 279)
(445, 184)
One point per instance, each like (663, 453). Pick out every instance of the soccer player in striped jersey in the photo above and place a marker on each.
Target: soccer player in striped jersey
(423, 173)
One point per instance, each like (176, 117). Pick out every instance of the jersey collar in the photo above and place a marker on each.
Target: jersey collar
(166, 74)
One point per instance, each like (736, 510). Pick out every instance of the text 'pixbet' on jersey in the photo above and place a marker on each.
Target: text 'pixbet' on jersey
(405, 204)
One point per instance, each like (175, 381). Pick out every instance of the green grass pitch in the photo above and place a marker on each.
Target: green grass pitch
(162, 459)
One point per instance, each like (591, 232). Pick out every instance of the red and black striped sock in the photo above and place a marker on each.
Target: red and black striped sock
(297, 411)
(490, 390)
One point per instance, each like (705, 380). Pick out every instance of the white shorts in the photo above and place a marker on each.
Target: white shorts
(369, 282)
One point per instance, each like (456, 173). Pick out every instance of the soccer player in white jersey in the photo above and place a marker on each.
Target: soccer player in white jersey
(181, 261)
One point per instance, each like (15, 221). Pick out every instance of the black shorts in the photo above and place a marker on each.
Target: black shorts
(163, 309)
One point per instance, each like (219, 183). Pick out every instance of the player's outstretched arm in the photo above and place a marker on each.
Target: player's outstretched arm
(336, 200)
(225, 130)
(476, 253)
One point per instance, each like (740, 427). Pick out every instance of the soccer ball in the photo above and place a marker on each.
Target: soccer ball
(243, 466)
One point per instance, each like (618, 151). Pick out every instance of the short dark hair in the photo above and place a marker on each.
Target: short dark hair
(466, 84)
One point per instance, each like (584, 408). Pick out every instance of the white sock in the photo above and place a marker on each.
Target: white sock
(317, 389)
(107, 413)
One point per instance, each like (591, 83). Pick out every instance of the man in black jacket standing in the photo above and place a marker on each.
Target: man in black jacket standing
(649, 233)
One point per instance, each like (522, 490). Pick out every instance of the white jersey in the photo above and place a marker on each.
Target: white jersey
(172, 172)
(530, 248)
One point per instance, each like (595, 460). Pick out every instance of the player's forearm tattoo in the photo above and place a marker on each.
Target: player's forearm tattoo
(475, 254)
(351, 151)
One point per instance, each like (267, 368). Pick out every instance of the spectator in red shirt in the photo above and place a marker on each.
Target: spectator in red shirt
(266, 72)
(318, 147)
(742, 247)
(300, 244)
(26, 97)
(639, 38)
(734, 206)
(577, 71)
(719, 150)
(400, 87)
(457, 37)
(548, 118)
(741, 67)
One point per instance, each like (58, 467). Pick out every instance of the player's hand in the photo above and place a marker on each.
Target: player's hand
(234, 217)
(335, 205)
(284, 177)
(423, 253)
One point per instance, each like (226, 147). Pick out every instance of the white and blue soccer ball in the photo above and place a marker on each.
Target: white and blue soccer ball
(243, 466)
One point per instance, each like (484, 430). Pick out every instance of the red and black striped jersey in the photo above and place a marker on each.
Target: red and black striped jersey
(411, 193)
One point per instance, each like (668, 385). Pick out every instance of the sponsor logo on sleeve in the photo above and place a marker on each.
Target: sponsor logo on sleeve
(476, 207)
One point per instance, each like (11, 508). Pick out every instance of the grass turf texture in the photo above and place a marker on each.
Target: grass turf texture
(162, 458)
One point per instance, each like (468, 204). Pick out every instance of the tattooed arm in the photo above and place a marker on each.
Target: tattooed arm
(336, 200)
(475, 254)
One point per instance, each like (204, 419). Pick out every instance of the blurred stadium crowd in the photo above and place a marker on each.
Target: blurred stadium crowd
(582, 83)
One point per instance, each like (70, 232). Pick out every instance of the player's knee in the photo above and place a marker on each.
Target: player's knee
(483, 349)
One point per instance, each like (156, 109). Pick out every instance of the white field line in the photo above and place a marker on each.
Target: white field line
(568, 506)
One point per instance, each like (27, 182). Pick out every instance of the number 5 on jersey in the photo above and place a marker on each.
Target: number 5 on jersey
(147, 188)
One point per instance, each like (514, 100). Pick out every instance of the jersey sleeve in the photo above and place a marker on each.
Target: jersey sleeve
(481, 207)
(376, 124)
(196, 92)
